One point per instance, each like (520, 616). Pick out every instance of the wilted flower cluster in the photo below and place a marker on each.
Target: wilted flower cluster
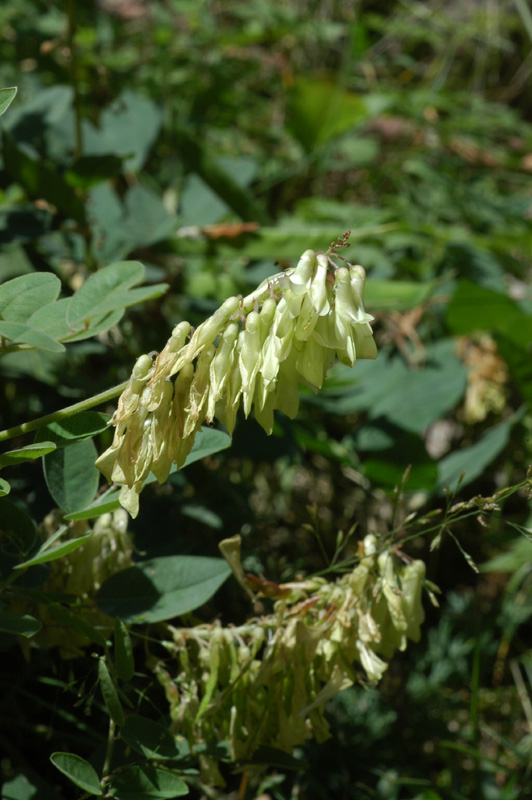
(252, 351)
(79, 575)
(265, 684)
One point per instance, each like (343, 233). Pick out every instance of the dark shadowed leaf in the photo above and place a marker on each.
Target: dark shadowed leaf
(78, 771)
(162, 588)
(146, 783)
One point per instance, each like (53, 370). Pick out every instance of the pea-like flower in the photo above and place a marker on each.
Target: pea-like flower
(253, 351)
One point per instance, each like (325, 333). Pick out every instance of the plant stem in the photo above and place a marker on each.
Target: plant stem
(106, 769)
(69, 411)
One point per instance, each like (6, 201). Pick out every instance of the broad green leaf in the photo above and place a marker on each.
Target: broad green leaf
(81, 426)
(396, 295)
(28, 785)
(20, 624)
(5, 488)
(476, 308)
(28, 453)
(519, 554)
(97, 295)
(149, 738)
(127, 128)
(71, 476)
(97, 325)
(49, 553)
(208, 441)
(162, 588)
(473, 460)
(78, 771)
(148, 220)
(146, 783)
(76, 623)
(41, 180)
(319, 110)
(123, 652)
(21, 297)
(6, 98)
(19, 333)
(17, 530)
(51, 319)
(110, 694)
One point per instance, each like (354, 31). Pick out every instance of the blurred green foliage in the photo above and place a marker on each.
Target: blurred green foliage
(211, 141)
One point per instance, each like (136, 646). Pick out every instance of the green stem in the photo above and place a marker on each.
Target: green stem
(69, 411)
(109, 751)
(71, 16)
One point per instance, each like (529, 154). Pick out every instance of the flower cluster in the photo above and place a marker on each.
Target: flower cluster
(252, 351)
(78, 576)
(266, 683)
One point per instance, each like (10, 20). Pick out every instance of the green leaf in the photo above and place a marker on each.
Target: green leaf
(17, 530)
(51, 319)
(19, 333)
(208, 441)
(28, 453)
(20, 624)
(81, 426)
(476, 308)
(149, 738)
(396, 295)
(110, 290)
(388, 467)
(88, 171)
(162, 588)
(473, 460)
(78, 771)
(76, 623)
(319, 110)
(28, 785)
(41, 180)
(97, 295)
(110, 694)
(127, 128)
(21, 297)
(146, 783)
(124, 661)
(48, 553)
(6, 98)
(5, 488)
(71, 476)
(148, 219)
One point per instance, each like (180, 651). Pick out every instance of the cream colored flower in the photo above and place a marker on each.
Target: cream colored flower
(253, 351)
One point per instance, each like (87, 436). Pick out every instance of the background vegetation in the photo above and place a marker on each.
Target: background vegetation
(213, 141)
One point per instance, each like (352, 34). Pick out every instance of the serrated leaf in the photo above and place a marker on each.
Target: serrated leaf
(21, 297)
(28, 453)
(71, 476)
(6, 98)
(162, 588)
(124, 661)
(19, 333)
(149, 738)
(110, 695)
(81, 426)
(78, 771)
(146, 783)
(19, 624)
(48, 553)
